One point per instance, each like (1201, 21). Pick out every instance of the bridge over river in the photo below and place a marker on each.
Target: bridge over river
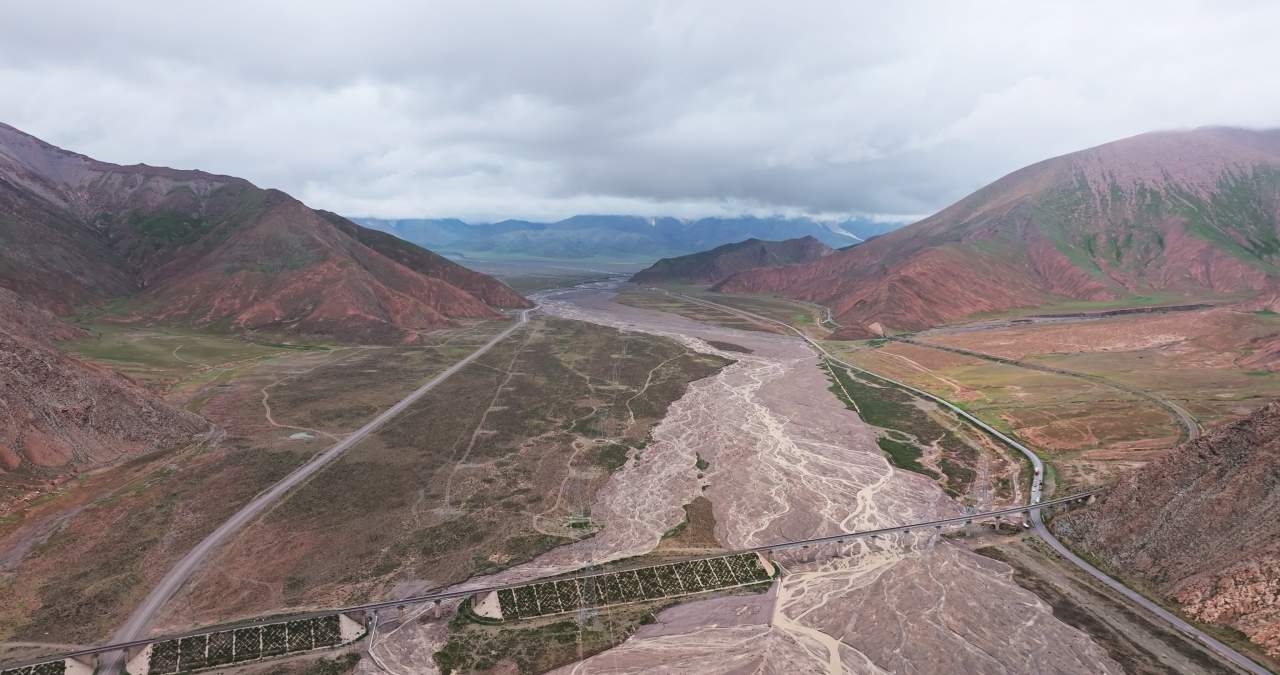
(269, 637)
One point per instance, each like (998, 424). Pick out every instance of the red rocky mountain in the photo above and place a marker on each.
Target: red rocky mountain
(193, 248)
(59, 415)
(1200, 527)
(1188, 213)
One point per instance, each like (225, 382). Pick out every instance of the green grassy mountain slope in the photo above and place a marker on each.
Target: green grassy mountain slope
(1192, 214)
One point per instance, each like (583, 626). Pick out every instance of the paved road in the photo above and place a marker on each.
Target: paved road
(1136, 598)
(1042, 531)
(180, 572)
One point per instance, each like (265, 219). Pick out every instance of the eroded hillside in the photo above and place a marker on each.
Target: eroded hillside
(1200, 527)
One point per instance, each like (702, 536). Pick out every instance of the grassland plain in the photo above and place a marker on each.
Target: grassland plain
(75, 561)
(1088, 431)
(539, 645)
(1199, 359)
(495, 466)
(661, 302)
(810, 318)
(166, 359)
(337, 662)
(531, 281)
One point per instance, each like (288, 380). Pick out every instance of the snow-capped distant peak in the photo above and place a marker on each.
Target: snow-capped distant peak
(836, 229)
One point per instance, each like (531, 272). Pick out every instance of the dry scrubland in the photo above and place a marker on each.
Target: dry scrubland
(1091, 432)
(73, 562)
(1211, 362)
(493, 467)
(806, 317)
(659, 302)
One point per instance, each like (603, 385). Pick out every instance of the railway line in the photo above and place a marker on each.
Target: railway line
(931, 526)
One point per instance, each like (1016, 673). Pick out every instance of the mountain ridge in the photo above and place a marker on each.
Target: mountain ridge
(1191, 213)
(207, 250)
(722, 261)
(614, 236)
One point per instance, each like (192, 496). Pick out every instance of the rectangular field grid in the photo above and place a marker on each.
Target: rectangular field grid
(47, 668)
(223, 647)
(613, 588)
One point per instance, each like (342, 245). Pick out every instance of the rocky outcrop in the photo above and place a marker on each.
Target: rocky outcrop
(1200, 527)
(215, 251)
(1264, 354)
(1192, 213)
(712, 266)
(60, 415)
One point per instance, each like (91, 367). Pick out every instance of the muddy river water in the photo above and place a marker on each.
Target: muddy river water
(788, 461)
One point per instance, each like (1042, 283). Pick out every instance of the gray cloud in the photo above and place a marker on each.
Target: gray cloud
(489, 110)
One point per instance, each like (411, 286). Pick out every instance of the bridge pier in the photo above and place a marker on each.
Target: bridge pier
(138, 660)
(436, 609)
(348, 628)
(487, 605)
(81, 666)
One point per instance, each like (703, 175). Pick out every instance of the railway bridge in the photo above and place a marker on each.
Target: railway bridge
(271, 637)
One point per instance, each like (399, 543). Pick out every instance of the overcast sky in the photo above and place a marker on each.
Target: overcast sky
(545, 109)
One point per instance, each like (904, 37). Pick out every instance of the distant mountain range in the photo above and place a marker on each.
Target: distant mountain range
(614, 238)
(1188, 214)
(712, 266)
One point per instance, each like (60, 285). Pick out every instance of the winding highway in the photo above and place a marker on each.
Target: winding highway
(180, 572)
(1193, 429)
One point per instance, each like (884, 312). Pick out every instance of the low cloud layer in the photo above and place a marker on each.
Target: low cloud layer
(542, 110)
